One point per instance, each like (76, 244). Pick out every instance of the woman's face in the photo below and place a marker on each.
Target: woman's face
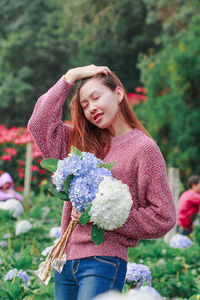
(100, 104)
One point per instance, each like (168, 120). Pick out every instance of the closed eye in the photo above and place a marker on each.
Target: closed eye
(84, 106)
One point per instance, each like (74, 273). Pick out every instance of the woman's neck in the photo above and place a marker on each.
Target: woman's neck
(119, 130)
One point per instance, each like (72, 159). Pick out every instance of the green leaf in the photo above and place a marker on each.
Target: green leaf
(97, 234)
(5, 294)
(76, 151)
(60, 195)
(107, 166)
(67, 184)
(25, 261)
(50, 164)
(85, 217)
(15, 288)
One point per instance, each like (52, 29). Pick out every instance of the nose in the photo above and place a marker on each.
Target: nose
(92, 108)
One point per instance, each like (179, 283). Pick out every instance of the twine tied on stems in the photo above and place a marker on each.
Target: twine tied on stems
(59, 257)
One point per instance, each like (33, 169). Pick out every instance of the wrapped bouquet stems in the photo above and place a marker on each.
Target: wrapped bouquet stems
(56, 258)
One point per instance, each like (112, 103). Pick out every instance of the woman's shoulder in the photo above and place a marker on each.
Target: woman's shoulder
(143, 142)
(147, 148)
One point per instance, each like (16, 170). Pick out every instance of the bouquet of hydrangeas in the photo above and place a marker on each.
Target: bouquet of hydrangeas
(87, 182)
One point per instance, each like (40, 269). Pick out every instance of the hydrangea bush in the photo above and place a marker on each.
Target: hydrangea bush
(13, 142)
(180, 241)
(137, 275)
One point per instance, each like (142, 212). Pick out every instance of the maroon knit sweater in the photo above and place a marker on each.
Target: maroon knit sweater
(140, 165)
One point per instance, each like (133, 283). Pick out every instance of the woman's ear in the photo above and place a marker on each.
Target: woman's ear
(119, 94)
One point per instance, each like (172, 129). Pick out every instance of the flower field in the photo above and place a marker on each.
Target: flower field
(13, 143)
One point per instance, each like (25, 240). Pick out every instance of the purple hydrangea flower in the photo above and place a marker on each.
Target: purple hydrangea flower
(139, 274)
(10, 275)
(76, 165)
(180, 241)
(83, 189)
(21, 274)
(3, 244)
(87, 177)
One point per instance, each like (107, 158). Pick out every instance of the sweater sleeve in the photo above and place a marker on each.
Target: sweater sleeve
(45, 124)
(158, 216)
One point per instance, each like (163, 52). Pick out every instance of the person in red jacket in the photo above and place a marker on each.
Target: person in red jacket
(188, 205)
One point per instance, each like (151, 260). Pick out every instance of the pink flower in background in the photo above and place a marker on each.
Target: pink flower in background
(137, 97)
(140, 89)
(19, 188)
(21, 175)
(21, 163)
(6, 157)
(11, 151)
(13, 145)
(34, 168)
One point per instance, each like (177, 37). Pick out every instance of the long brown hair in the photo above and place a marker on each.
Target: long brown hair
(87, 137)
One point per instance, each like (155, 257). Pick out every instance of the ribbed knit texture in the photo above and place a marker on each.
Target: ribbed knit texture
(140, 165)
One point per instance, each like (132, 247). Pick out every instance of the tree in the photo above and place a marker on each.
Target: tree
(31, 55)
(40, 40)
(172, 112)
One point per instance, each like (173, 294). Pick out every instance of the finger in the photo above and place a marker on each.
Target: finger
(105, 70)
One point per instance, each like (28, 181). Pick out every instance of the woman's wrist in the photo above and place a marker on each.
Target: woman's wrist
(70, 77)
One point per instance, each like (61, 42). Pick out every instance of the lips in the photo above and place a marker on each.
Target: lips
(97, 116)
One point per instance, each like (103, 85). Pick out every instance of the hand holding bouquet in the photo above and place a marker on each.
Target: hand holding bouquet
(87, 182)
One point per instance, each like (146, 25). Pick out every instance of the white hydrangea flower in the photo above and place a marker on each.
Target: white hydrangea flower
(131, 295)
(145, 292)
(112, 204)
(111, 295)
(23, 226)
(55, 232)
(14, 206)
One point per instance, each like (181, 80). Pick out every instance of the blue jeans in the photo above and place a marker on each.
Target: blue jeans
(83, 279)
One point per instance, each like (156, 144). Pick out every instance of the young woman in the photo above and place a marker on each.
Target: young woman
(104, 124)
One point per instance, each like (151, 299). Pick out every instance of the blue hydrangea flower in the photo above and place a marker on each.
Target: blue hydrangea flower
(139, 274)
(180, 241)
(3, 244)
(87, 177)
(76, 165)
(83, 189)
(21, 274)
(10, 275)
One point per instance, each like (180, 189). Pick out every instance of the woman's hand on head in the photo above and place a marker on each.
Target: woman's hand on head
(83, 72)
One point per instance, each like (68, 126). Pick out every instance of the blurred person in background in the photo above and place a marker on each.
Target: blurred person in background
(7, 191)
(188, 206)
